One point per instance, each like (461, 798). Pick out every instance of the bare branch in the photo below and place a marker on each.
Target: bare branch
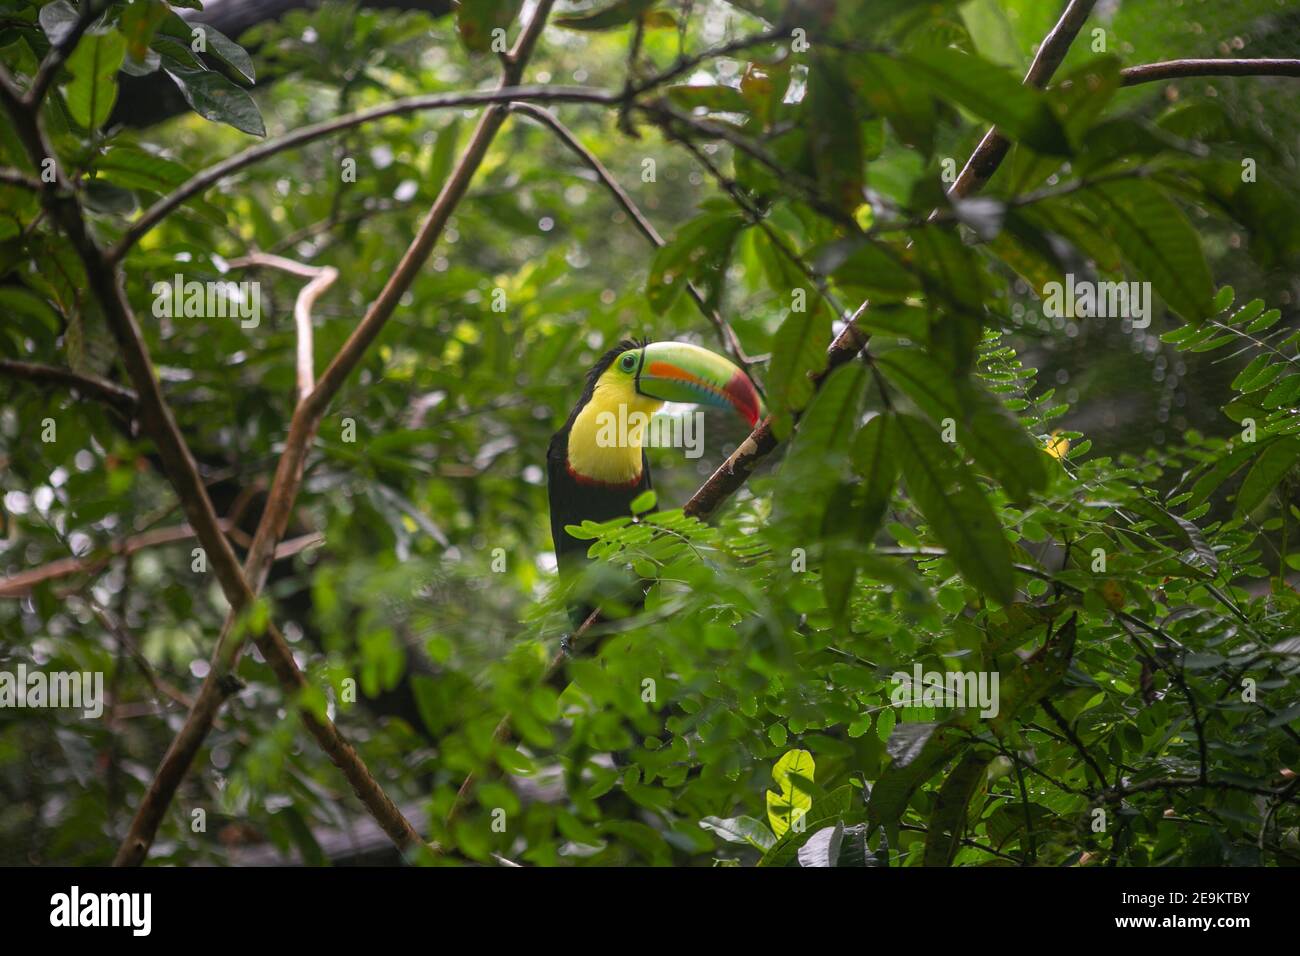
(993, 147)
(16, 177)
(182, 471)
(1183, 69)
(436, 101)
(291, 466)
(92, 386)
(322, 277)
(726, 334)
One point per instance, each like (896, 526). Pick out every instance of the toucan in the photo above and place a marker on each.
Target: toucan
(596, 464)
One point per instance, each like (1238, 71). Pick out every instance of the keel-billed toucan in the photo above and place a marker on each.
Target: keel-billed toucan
(594, 478)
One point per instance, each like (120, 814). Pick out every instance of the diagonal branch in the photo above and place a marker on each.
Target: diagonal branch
(307, 416)
(726, 334)
(988, 155)
(322, 277)
(182, 471)
(206, 178)
(92, 386)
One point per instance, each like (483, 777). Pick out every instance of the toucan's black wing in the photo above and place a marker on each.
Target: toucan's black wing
(573, 502)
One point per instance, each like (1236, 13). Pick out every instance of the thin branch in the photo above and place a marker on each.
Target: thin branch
(183, 473)
(16, 177)
(203, 179)
(322, 277)
(993, 147)
(726, 334)
(1184, 69)
(92, 386)
(303, 427)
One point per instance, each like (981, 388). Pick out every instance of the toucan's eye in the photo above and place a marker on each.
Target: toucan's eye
(628, 361)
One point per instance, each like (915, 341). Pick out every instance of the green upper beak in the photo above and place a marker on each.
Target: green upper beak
(678, 372)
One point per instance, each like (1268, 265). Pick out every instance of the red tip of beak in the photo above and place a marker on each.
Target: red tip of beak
(740, 390)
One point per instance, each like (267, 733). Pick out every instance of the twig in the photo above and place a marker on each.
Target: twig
(726, 334)
(182, 471)
(322, 277)
(202, 180)
(92, 386)
(1184, 69)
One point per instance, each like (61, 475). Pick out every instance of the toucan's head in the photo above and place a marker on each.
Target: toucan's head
(643, 376)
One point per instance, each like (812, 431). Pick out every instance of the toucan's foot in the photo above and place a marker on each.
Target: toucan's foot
(566, 645)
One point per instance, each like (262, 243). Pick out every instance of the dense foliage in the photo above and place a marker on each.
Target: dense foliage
(1110, 532)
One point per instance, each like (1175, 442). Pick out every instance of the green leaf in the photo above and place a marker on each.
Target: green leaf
(834, 806)
(798, 349)
(834, 146)
(741, 830)
(1033, 678)
(1161, 244)
(476, 19)
(919, 751)
(93, 89)
(644, 502)
(228, 51)
(984, 428)
(140, 21)
(991, 93)
(948, 819)
(699, 253)
(791, 804)
(875, 457)
(959, 514)
(1266, 473)
(215, 98)
(617, 14)
(883, 83)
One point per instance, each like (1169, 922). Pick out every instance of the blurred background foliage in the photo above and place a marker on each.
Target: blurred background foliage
(751, 651)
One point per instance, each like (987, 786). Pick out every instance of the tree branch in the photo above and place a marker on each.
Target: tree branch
(726, 334)
(92, 386)
(322, 277)
(302, 430)
(988, 155)
(1184, 69)
(206, 178)
(182, 471)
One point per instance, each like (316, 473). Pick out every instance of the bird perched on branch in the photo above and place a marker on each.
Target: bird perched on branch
(596, 464)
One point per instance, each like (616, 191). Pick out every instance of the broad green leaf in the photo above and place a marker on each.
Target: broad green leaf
(798, 350)
(786, 807)
(992, 93)
(919, 751)
(741, 830)
(838, 805)
(983, 427)
(1266, 473)
(947, 822)
(1157, 239)
(876, 458)
(215, 98)
(955, 506)
(883, 83)
(699, 253)
(93, 67)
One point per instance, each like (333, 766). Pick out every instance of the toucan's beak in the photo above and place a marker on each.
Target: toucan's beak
(677, 372)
